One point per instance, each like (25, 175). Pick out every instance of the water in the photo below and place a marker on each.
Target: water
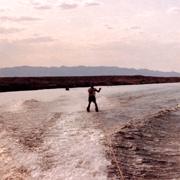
(47, 134)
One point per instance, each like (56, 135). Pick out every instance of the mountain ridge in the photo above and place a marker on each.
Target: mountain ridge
(40, 71)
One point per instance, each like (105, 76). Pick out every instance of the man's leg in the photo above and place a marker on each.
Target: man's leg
(96, 106)
(88, 107)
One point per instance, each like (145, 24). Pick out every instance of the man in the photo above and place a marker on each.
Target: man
(92, 98)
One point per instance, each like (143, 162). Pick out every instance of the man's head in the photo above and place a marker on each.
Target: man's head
(92, 86)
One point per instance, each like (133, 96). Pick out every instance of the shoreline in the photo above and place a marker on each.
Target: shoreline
(36, 83)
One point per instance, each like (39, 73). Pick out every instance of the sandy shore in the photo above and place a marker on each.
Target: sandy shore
(148, 149)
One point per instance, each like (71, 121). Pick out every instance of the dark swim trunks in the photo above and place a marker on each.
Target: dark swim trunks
(92, 99)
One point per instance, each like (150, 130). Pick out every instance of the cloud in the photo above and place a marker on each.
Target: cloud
(91, 3)
(75, 4)
(63, 4)
(108, 26)
(43, 5)
(32, 40)
(2, 10)
(9, 30)
(173, 10)
(18, 19)
(135, 27)
(70, 5)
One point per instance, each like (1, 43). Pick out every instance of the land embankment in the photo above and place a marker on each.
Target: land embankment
(35, 83)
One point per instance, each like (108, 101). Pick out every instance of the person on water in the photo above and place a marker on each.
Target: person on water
(92, 97)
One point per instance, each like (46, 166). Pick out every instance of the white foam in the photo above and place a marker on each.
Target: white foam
(72, 148)
(78, 151)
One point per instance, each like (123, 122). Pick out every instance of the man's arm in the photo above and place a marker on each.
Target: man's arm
(98, 90)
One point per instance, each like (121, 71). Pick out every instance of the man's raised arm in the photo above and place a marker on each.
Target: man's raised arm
(98, 90)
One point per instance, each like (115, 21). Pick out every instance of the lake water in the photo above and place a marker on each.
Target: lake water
(48, 134)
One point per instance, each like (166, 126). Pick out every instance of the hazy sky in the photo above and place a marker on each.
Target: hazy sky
(125, 33)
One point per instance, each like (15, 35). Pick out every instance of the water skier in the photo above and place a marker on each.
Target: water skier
(92, 97)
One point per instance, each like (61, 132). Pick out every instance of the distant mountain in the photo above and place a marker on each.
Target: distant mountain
(28, 71)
